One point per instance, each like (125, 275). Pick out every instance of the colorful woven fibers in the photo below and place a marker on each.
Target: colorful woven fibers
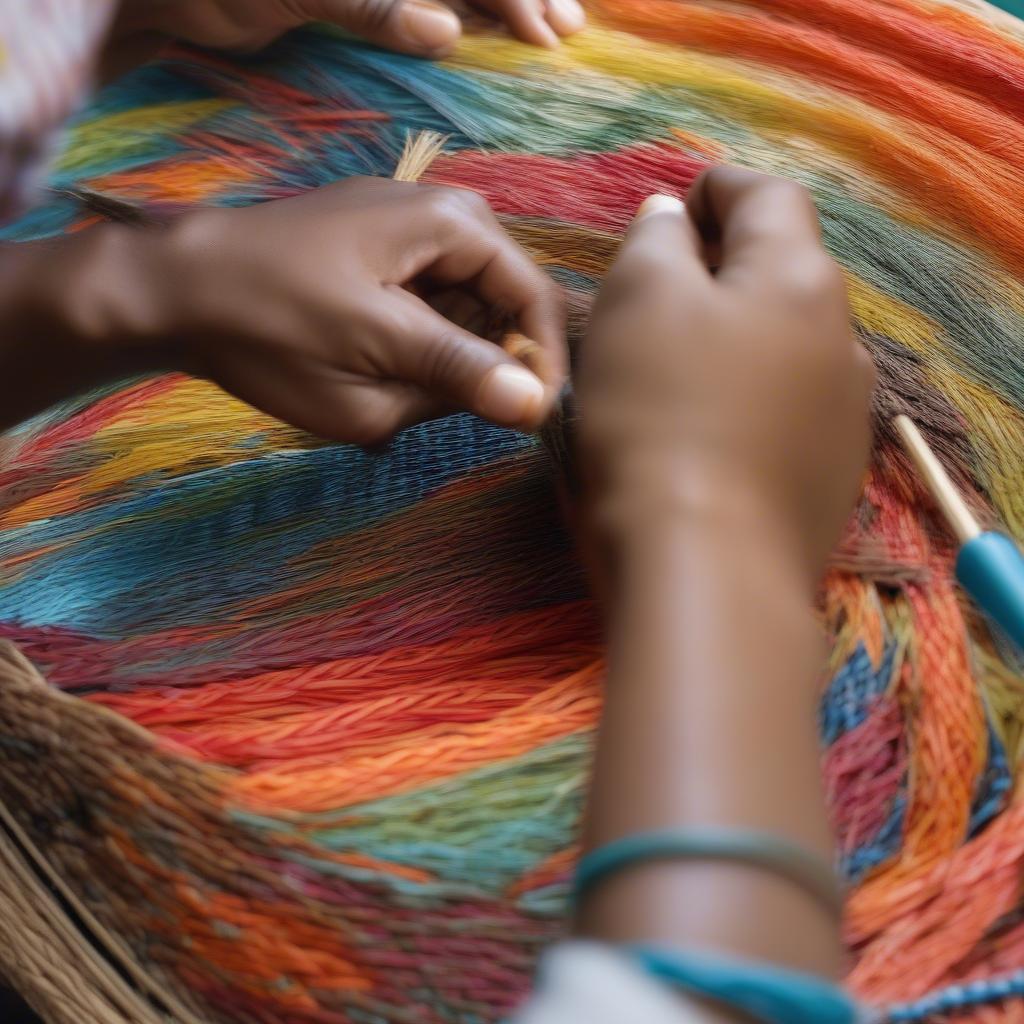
(366, 684)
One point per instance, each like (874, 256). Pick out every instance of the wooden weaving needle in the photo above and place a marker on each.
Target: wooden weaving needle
(946, 496)
(989, 565)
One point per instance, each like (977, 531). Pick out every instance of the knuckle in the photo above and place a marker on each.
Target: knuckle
(731, 178)
(443, 361)
(813, 279)
(372, 15)
(731, 175)
(472, 201)
(456, 205)
(790, 192)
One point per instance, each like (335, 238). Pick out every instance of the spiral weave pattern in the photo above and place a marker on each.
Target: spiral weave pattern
(316, 722)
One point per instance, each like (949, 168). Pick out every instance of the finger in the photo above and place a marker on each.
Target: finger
(418, 27)
(327, 401)
(475, 251)
(566, 17)
(662, 225)
(866, 367)
(457, 368)
(754, 218)
(526, 20)
(367, 413)
(384, 408)
(661, 244)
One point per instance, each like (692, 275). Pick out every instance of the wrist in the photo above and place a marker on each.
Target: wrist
(649, 507)
(78, 310)
(96, 294)
(717, 571)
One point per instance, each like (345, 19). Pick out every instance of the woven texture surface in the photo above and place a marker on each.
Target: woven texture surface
(317, 722)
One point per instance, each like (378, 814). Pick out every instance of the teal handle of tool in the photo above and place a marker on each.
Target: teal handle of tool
(1013, 6)
(991, 569)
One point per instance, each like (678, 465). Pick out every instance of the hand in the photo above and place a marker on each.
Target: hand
(737, 395)
(304, 308)
(314, 309)
(418, 27)
(723, 428)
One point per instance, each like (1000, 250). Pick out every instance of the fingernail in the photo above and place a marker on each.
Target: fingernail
(659, 203)
(511, 395)
(566, 16)
(429, 25)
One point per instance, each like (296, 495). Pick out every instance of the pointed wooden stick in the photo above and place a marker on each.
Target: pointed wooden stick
(946, 496)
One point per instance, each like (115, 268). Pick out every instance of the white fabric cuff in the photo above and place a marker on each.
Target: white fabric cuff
(587, 983)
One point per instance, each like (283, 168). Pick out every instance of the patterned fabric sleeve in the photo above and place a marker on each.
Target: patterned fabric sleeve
(47, 53)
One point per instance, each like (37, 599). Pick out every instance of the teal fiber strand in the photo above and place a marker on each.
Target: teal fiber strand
(254, 513)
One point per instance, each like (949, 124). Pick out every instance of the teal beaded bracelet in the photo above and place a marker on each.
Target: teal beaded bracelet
(771, 995)
(757, 849)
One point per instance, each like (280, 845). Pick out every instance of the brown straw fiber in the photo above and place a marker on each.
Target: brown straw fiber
(44, 954)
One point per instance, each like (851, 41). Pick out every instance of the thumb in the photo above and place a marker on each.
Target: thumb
(662, 231)
(418, 27)
(454, 366)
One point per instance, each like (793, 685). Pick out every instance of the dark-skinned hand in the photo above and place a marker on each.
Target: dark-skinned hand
(738, 391)
(419, 27)
(316, 309)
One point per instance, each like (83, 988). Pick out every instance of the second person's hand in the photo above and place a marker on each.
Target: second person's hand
(419, 27)
(721, 379)
(316, 309)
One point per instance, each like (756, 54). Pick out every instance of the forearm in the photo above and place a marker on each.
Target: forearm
(75, 313)
(710, 720)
